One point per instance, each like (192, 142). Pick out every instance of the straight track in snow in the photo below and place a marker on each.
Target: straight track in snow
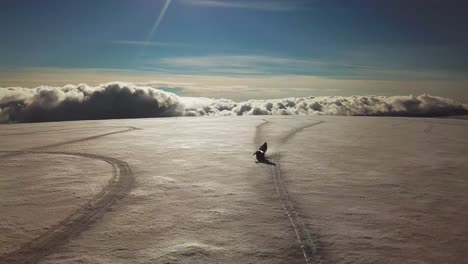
(302, 232)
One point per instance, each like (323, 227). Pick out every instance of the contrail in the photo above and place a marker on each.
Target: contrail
(158, 21)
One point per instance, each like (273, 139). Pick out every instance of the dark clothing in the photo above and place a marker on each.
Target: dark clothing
(259, 155)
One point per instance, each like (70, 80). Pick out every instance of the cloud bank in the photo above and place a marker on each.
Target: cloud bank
(126, 100)
(79, 102)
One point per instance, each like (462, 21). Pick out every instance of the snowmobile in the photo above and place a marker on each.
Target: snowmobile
(260, 153)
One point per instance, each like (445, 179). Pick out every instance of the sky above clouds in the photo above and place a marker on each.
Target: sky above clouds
(263, 49)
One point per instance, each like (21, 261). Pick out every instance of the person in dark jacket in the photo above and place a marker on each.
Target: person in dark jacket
(260, 153)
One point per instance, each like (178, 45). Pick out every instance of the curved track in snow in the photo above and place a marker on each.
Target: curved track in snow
(119, 186)
(60, 130)
(306, 242)
(19, 152)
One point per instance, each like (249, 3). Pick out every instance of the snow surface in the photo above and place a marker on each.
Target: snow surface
(363, 189)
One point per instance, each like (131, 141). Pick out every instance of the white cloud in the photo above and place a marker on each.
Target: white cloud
(237, 64)
(149, 43)
(240, 87)
(284, 66)
(83, 102)
(127, 100)
(423, 105)
(254, 4)
(274, 65)
(229, 61)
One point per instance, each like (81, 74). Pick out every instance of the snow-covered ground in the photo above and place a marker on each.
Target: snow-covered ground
(187, 190)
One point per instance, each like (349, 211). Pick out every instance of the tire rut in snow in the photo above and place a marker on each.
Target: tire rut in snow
(118, 187)
(15, 153)
(306, 242)
(60, 130)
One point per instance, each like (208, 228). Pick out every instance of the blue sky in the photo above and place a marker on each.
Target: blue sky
(313, 47)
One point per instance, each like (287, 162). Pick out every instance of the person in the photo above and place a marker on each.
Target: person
(260, 153)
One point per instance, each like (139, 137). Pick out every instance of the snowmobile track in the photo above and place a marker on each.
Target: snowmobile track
(118, 187)
(15, 153)
(120, 184)
(306, 242)
(61, 130)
